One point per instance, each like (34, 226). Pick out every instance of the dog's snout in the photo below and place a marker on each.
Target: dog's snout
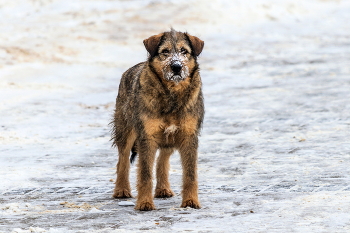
(176, 67)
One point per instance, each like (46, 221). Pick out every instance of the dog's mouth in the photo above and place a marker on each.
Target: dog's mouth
(176, 78)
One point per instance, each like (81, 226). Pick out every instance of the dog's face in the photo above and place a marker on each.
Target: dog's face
(173, 55)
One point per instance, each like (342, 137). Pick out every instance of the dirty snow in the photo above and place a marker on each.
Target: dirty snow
(274, 152)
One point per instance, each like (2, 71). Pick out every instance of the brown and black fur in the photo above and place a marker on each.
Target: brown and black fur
(160, 106)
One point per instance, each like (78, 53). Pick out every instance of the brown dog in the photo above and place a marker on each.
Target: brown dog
(160, 106)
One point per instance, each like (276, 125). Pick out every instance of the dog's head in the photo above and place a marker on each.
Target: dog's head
(173, 55)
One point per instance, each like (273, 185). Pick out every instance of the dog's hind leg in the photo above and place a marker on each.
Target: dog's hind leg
(163, 164)
(122, 185)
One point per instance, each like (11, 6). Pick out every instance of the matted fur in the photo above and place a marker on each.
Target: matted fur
(160, 106)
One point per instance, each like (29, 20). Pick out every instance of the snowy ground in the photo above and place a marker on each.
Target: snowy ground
(274, 151)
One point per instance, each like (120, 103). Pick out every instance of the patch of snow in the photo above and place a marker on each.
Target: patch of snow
(126, 203)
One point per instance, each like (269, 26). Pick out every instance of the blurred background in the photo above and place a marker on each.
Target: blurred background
(111, 32)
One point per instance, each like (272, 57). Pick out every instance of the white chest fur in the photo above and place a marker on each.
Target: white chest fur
(170, 130)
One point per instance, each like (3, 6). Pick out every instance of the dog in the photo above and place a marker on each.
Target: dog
(160, 106)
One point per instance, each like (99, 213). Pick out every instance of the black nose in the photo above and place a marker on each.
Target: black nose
(176, 67)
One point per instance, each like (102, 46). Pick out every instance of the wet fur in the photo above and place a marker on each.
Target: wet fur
(157, 109)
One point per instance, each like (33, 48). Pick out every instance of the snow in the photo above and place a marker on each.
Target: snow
(274, 150)
(126, 203)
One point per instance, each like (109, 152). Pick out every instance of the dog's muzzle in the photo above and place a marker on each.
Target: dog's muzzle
(175, 71)
(176, 67)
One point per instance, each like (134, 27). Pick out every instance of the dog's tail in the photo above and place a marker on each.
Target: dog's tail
(133, 153)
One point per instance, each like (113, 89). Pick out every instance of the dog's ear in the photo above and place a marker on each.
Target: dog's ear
(197, 44)
(152, 44)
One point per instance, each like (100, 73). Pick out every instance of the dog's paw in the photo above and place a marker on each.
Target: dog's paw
(191, 203)
(145, 206)
(122, 193)
(163, 193)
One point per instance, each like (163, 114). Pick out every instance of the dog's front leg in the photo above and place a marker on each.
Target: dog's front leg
(147, 151)
(188, 152)
(163, 186)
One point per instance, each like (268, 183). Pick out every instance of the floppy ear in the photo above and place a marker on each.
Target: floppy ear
(197, 44)
(152, 44)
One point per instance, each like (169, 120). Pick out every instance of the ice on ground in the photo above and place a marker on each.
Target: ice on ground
(126, 203)
(30, 230)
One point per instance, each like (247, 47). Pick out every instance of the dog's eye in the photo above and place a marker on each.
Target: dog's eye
(183, 51)
(165, 51)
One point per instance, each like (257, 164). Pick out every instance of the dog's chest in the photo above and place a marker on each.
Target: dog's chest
(171, 129)
(167, 134)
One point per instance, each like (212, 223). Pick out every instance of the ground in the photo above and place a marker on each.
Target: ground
(274, 150)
